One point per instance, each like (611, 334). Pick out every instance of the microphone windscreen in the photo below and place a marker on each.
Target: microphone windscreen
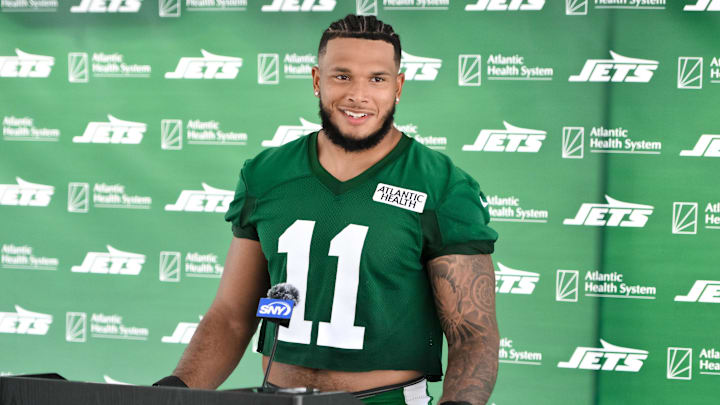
(284, 291)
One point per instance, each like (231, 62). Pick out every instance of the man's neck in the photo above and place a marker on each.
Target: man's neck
(344, 165)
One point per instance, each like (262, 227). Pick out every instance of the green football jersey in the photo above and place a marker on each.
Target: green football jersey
(356, 250)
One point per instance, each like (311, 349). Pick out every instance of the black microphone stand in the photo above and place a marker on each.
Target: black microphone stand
(264, 386)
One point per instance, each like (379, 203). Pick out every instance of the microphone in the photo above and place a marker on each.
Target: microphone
(277, 308)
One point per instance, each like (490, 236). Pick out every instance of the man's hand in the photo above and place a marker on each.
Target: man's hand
(464, 287)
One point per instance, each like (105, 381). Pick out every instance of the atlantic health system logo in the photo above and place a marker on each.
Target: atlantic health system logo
(618, 69)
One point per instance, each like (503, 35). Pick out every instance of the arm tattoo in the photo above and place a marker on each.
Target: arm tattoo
(464, 288)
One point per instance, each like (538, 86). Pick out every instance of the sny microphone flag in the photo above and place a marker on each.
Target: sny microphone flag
(275, 309)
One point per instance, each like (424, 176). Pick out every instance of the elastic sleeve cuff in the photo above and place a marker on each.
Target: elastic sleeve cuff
(245, 232)
(170, 381)
(475, 247)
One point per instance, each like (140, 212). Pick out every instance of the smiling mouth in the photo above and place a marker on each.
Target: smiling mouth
(356, 115)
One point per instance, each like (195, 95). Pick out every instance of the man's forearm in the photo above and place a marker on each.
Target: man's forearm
(214, 351)
(471, 370)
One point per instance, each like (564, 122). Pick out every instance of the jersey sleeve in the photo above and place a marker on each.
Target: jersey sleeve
(459, 224)
(240, 209)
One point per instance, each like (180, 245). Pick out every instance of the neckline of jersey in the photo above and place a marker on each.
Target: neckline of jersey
(339, 187)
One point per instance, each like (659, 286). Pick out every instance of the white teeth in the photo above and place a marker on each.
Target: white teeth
(354, 115)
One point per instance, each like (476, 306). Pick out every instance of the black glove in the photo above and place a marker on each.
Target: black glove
(170, 381)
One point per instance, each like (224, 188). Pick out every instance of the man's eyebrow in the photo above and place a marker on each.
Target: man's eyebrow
(346, 70)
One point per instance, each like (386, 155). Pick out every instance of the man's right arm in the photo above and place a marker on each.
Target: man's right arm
(226, 329)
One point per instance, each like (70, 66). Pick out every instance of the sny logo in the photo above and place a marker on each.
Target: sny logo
(114, 131)
(708, 145)
(614, 213)
(107, 6)
(513, 281)
(703, 5)
(210, 66)
(511, 139)
(24, 322)
(209, 199)
(26, 65)
(295, 5)
(273, 308)
(419, 68)
(618, 69)
(502, 5)
(113, 262)
(26, 194)
(182, 334)
(707, 291)
(608, 358)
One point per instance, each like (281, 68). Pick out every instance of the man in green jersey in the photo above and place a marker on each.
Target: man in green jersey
(386, 240)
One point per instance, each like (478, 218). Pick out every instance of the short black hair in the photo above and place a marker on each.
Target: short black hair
(364, 27)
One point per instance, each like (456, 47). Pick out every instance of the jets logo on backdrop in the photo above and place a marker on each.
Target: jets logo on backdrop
(26, 65)
(614, 213)
(702, 5)
(405, 5)
(511, 139)
(113, 262)
(107, 6)
(419, 68)
(708, 145)
(289, 133)
(707, 291)
(210, 66)
(618, 69)
(115, 131)
(679, 363)
(505, 5)
(209, 199)
(511, 281)
(299, 5)
(508, 353)
(24, 322)
(182, 334)
(607, 358)
(22, 257)
(26, 194)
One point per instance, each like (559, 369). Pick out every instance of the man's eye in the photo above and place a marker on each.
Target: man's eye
(342, 77)
(378, 79)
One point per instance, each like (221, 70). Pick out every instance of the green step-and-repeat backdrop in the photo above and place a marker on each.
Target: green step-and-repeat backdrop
(591, 125)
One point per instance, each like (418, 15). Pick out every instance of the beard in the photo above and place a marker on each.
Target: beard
(350, 144)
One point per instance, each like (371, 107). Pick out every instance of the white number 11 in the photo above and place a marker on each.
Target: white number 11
(347, 245)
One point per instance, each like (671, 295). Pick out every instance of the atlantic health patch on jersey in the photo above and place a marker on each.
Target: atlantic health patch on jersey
(400, 197)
